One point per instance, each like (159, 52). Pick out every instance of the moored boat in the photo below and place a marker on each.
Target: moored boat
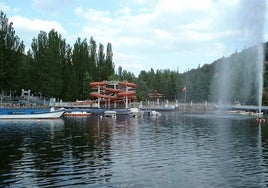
(135, 112)
(30, 113)
(110, 113)
(77, 114)
(155, 113)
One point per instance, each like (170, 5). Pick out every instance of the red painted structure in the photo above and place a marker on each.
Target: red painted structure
(114, 91)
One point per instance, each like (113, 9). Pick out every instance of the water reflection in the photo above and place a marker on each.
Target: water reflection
(264, 149)
(21, 141)
(167, 151)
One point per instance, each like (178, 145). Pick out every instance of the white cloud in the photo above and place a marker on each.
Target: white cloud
(27, 29)
(201, 25)
(163, 34)
(36, 24)
(4, 7)
(153, 32)
(166, 27)
(98, 23)
(124, 11)
(129, 62)
(140, 2)
(119, 30)
(100, 17)
(178, 6)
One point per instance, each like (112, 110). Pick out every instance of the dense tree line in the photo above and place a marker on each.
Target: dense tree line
(164, 82)
(197, 82)
(53, 68)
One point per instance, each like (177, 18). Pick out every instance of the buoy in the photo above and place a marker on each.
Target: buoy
(260, 120)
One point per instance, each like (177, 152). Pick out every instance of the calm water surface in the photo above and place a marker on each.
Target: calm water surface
(174, 150)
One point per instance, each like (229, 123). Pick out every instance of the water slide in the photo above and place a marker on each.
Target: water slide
(127, 84)
(97, 84)
(114, 91)
(103, 96)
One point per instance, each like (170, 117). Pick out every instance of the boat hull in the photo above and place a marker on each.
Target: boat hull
(110, 113)
(20, 114)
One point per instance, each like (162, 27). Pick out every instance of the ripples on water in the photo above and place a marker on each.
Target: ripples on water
(173, 150)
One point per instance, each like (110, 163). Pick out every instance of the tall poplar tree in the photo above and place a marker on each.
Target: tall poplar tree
(80, 59)
(109, 65)
(101, 63)
(48, 52)
(105, 64)
(70, 85)
(93, 59)
(11, 55)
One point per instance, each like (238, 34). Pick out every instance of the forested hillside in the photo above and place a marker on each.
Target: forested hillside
(53, 68)
(203, 83)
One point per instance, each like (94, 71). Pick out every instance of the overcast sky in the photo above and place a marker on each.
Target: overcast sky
(145, 34)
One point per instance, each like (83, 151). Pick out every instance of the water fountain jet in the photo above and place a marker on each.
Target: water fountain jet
(240, 77)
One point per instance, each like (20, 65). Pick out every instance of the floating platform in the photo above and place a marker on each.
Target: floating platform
(156, 108)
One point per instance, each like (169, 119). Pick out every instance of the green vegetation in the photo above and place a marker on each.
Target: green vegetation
(53, 68)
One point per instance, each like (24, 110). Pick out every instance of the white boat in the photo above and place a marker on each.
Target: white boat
(110, 113)
(254, 114)
(155, 113)
(244, 113)
(77, 114)
(135, 112)
(30, 113)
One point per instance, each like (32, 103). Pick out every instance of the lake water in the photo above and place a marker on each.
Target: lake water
(174, 150)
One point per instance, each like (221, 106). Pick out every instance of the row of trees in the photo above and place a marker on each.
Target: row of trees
(53, 68)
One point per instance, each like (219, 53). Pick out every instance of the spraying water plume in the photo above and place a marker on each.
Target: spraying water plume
(240, 77)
